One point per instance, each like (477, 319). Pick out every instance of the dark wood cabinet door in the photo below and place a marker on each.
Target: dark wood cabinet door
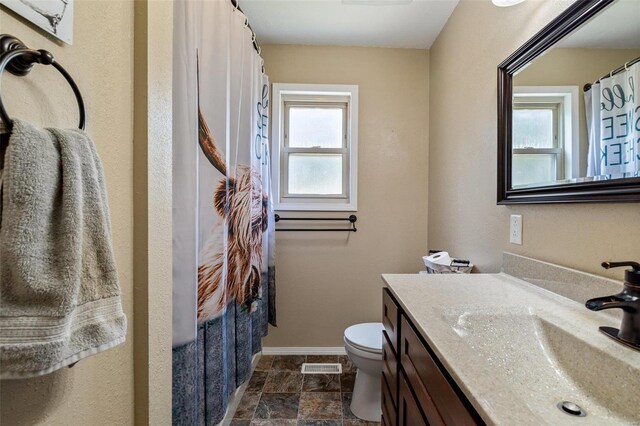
(390, 319)
(390, 369)
(389, 411)
(432, 388)
(416, 388)
(409, 409)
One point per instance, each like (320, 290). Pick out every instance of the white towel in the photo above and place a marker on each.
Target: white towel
(59, 291)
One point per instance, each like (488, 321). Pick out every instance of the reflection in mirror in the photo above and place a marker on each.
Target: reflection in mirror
(576, 109)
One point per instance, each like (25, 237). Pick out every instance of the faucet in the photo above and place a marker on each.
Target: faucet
(628, 300)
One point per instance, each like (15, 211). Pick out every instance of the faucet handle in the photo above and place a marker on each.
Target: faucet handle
(631, 276)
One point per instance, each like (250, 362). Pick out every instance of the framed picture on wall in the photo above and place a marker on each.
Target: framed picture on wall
(53, 16)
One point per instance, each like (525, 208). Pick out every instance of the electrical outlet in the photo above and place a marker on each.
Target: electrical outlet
(515, 230)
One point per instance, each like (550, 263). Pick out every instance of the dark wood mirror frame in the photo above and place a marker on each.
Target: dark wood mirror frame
(617, 190)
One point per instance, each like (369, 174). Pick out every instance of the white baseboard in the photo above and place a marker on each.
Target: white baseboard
(296, 350)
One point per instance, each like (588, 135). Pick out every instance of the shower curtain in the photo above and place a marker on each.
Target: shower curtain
(223, 222)
(612, 108)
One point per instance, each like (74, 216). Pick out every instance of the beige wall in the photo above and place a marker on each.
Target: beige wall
(328, 281)
(463, 215)
(98, 390)
(152, 211)
(574, 67)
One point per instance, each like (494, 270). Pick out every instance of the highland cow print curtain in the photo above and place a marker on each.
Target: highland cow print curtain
(612, 108)
(223, 240)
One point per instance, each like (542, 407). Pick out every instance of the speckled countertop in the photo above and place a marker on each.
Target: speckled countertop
(516, 349)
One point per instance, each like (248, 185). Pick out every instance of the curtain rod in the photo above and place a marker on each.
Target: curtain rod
(614, 72)
(254, 41)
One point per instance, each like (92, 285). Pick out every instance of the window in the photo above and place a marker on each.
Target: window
(537, 143)
(315, 147)
(544, 137)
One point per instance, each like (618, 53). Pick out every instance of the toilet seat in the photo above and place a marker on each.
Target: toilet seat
(366, 337)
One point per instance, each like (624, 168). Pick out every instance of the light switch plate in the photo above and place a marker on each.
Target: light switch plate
(515, 229)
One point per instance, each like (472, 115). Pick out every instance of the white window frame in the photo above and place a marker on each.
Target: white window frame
(556, 106)
(324, 102)
(286, 95)
(568, 118)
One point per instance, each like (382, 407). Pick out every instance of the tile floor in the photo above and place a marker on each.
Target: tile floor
(279, 395)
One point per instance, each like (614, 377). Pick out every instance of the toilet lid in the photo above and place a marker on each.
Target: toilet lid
(367, 336)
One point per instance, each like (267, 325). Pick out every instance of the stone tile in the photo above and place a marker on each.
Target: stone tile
(346, 410)
(283, 382)
(322, 358)
(264, 363)
(347, 365)
(238, 422)
(256, 382)
(347, 380)
(247, 405)
(321, 383)
(319, 422)
(279, 422)
(278, 406)
(288, 362)
(319, 406)
(359, 423)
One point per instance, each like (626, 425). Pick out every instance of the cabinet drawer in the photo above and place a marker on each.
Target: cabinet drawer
(390, 318)
(388, 408)
(429, 383)
(408, 409)
(390, 368)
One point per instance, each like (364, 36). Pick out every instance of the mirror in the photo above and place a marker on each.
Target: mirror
(569, 109)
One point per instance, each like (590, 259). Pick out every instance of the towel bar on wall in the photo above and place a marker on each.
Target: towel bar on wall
(352, 220)
(18, 59)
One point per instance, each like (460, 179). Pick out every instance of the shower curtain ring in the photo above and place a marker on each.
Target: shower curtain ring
(246, 22)
(236, 5)
(253, 37)
(625, 66)
(259, 50)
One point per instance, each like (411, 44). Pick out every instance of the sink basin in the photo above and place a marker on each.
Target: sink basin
(550, 360)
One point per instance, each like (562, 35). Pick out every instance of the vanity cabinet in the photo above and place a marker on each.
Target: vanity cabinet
(416, 388)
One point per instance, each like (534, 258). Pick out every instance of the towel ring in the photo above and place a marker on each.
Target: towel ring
(18, 60)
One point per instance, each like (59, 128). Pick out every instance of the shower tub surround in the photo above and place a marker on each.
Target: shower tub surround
(278, 394)
(517, 346)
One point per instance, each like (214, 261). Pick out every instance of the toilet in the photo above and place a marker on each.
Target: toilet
(363, 343)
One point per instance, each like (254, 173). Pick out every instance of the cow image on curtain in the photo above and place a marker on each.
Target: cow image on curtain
(231, 262)
(223, 222)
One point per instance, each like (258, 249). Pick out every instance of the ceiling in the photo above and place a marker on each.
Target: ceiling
(380, 23)
(617, 27)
